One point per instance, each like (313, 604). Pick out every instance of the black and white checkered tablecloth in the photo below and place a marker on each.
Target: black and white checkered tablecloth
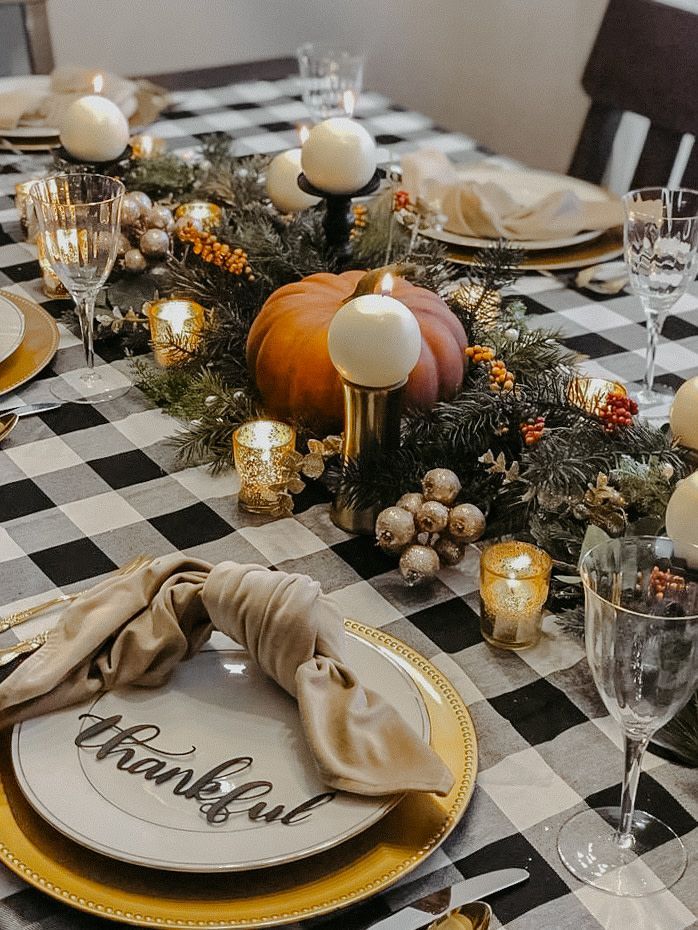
(83, 489)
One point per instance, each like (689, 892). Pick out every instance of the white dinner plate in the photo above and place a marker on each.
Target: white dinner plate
(217, 707)
(29, 135)
(526, 187)
(11, 328)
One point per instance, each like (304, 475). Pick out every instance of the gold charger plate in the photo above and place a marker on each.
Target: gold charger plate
(37, 348)
(606, 247)
(361, 867)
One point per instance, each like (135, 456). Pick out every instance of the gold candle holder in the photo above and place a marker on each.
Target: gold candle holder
(260, 448)
(145, 146)
(176, 321)
(51, 284)
(200, 214)
(590, 394)
(514, 582)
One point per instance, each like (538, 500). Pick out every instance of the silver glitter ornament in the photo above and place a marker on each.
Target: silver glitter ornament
(442, 485)
(448, 550)
(411, 501)
(418, 564)
(466, 523)
(158, 217)
(432, 517)
(131, 209)
(123, 245)
(394, 529)
(134, 261)
(142, 198)
(154, 243)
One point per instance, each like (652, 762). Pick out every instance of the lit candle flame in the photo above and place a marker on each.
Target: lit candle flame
(387, 285)
(303, 133)
(97, 83)
(349, 102)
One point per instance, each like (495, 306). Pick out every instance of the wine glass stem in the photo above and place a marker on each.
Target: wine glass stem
(86, 314)
(653, 331)
(634, 751)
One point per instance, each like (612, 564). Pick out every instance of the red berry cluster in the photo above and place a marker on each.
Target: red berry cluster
(401, 201)
(618, 410)
(661, 583)
(532, 430)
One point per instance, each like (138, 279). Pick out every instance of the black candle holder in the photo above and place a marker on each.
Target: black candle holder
(339, 218)
(116, 167)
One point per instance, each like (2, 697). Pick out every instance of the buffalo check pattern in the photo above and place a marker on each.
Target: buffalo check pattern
(83, 489)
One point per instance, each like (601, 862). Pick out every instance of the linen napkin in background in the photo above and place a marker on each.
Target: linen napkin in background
(486, 210)
(135, 629)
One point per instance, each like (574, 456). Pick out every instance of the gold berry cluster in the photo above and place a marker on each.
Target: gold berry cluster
(661, 583)
(207, 246)
(500, 378)
(617, 410)
(401, 201)
(532, 430)
(360, 212)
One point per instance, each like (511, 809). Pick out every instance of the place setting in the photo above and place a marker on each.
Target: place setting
(349, 539)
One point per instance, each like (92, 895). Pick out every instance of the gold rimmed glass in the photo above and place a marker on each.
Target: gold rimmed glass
(79, 221)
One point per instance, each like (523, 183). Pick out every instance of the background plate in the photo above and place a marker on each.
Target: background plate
(361, 867)
(11, 327)
(609, 245)
(37, 348)
(217, 706)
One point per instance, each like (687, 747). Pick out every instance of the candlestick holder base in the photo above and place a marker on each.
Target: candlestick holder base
(339, 219)
(65, 163)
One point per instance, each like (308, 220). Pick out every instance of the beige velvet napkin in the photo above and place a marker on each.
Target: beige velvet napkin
(486, 210)
(134, 630)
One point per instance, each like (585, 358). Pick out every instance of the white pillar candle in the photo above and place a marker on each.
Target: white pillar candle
(282, 183)
(684, 414)
(682, 519)
(94, 129)
(374, 341)
(339, 157)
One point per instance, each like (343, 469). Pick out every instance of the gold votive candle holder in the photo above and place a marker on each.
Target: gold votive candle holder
(24, 204)
(199, 213)
(146, 146)
(260, 449)
(514, 583)
(590, 394)
(175, 327)
(486, 301)
(51, 284)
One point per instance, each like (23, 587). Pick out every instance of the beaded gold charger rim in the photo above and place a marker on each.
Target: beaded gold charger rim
(319, 885)
(37, 348)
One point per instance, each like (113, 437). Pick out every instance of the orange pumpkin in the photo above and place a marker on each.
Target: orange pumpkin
(288, 358)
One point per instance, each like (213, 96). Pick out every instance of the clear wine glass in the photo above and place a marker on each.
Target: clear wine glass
(641, 630)
(78, 216)
(331, 79)
(661, 255)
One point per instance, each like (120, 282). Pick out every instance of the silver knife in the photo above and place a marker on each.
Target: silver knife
(26, 410)
(422, 912)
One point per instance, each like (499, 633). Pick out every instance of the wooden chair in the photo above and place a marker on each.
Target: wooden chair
(644, 61)
(33, 21)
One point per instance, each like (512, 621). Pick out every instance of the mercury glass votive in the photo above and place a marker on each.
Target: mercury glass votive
(590, 394)
(514, 582)
(146, 146)
(260, 448)
(174, 322)
(23, 203)
(199, 213)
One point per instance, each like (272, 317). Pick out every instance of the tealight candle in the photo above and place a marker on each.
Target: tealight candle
(174, 321)
(94, 130)
(514, 580)
(682, 519)
(590, 394)
(339, 156)
(374, 340)
(144, 146)
(260, 449)
(282, 183)
(198, 213)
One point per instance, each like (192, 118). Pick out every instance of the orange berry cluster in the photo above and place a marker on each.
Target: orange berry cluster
(618, 410)
(207, 246)
(360, 212)
(401, 201)
(661, 583)
(532, 430)
(501, 379)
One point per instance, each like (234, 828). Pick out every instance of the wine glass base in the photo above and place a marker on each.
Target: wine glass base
(660, 394)
(90, 386)
(655, 861)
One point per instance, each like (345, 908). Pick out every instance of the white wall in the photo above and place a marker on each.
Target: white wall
(504, 71)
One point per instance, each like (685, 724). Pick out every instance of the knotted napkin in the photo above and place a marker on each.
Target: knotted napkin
(135, 629)
(486, 210)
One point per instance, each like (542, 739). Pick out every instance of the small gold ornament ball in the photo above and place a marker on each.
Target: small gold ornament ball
(448, 550)
(134, 261)
(442, 485)
(418, 564)
(394, 529)
(142, 198)
(123, 245)
(432, 517)
(411, 501)
(466, 523)
(131, 209)
(154, 243)
(159, 217)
